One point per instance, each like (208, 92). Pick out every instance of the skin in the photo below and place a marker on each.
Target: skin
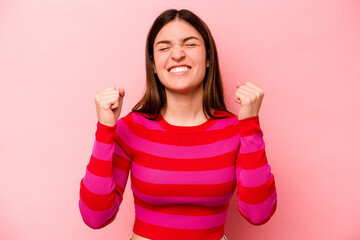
(250, 97)
(179, 44)
(108, 105)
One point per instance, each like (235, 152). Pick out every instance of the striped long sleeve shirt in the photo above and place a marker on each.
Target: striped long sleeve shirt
(182, 177)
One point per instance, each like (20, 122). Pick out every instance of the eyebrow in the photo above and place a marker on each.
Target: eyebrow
(184, 40)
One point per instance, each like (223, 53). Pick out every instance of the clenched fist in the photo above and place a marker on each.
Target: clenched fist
(250, 97)
(108, 105)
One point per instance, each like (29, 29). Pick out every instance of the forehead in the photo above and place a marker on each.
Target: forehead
(176, 30)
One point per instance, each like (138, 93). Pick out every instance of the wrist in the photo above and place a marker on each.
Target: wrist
(104, 133)
(108, 124)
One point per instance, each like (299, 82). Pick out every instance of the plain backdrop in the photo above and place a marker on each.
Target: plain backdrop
(55, 55)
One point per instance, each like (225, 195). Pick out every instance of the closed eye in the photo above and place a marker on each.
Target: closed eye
(163, 49)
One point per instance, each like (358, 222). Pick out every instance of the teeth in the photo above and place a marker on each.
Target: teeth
(179, 69)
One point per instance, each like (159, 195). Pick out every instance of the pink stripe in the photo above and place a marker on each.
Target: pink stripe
(222, 123)
(157, 176)
(124, 132)
(171, 151)
(252, 143)
(98, 185)
(189, 152)
(103, 151)
(258, 212)
(95, 219)
(203, 201)
(253, 177)
(120, 177)
(180, 221)
(154, 125)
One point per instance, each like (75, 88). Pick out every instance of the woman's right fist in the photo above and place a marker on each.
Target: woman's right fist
(108, 105)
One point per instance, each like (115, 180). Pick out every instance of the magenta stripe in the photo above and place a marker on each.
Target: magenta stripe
(222, 123)
(204, 201)
(120, 177)
(157, 176)
(189, 152)
(98, 185)
(254, 177)
(153, 125)
(179, 221)
(178, 152)
(252, 143)
(103, 151)
(258, 212)
(96, 219)
(124, 132)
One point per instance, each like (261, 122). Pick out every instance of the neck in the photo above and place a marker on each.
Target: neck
(184, 109)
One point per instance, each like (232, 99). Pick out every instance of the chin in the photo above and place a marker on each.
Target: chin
(184, 89)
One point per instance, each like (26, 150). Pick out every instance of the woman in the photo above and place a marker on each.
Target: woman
(186, 152)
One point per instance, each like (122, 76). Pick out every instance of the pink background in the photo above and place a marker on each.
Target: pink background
(56, 55)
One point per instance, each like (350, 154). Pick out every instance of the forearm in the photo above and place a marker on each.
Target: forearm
(256, 189)
(99, 201)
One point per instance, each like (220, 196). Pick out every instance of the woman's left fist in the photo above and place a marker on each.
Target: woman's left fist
(249, 96)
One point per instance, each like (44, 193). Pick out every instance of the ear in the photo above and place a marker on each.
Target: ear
(207, 63)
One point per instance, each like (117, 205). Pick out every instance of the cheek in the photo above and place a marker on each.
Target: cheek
(159, 60)
(159, 67)
(202, 63)
(200, 58)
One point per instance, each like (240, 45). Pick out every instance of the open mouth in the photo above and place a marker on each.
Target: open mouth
(179, 69)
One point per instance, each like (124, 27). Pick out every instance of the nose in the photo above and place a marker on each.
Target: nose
(177, 53)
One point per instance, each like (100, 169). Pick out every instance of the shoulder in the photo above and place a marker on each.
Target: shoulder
(137, 119)
(220, 114)
(224, 120)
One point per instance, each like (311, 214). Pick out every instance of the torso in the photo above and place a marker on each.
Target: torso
(151, 129)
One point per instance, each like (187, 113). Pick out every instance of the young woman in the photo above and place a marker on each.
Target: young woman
(186, 152)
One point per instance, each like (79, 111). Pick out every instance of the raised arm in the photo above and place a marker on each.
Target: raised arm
(256, 190)
(102, 188)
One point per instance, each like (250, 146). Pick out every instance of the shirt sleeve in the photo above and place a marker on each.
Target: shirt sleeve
(256, 192)
(102, 188)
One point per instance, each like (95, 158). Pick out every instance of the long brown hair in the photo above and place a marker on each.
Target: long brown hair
(154, 98)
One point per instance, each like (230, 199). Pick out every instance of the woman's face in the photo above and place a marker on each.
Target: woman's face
(180, 57)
